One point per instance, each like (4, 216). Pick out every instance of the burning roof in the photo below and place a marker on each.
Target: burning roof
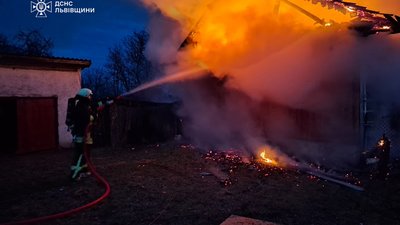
(294, 53)
(374, 21)
(223, 33)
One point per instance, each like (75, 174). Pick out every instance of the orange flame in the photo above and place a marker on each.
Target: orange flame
(231, 35)
(267, 160)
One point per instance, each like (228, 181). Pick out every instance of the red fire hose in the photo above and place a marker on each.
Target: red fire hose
(99, 178)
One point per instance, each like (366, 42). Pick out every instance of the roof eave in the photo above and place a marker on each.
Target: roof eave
(46, 63)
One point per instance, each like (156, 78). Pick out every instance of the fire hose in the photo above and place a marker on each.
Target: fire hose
(67, 213)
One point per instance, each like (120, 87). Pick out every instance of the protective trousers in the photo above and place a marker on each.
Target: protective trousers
(78, 161)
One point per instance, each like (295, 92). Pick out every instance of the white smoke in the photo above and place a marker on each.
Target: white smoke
(263, 100)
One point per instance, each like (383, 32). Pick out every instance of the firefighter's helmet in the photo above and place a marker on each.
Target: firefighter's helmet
(85, 92)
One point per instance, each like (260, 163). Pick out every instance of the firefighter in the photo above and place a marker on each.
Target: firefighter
(383, 156)
(83, 119)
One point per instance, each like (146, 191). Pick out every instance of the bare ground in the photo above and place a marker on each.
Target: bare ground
(173, 184)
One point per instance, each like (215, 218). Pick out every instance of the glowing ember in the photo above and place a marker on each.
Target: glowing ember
(267, 160)
(232, 165)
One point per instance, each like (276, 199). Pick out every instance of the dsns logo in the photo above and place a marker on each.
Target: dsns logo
(41, 7)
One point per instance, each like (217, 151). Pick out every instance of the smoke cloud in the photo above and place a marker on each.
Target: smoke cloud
(274, 80)
(388, 6)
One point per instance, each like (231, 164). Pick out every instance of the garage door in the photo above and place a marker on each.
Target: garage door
(36, 124)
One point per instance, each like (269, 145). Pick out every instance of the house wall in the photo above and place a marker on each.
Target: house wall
(43, 83)
(330, 114)
(134, 122)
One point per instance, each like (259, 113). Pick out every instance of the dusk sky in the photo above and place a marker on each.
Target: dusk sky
(83, 36)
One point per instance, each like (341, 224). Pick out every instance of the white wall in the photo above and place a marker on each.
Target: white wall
(43, 83)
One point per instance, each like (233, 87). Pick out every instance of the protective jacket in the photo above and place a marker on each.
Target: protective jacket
(82, 118)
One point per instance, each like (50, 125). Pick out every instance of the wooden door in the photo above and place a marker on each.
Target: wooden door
(37, 124)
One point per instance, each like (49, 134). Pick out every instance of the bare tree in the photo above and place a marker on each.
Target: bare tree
(98, 81)
(117, 69)
(34, 43)
(5, 45)
(128, 65)
(137, 64)
(26, 43)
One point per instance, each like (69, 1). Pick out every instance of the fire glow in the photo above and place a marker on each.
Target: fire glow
(231, 163)
(267, 160)
(273, 157)
(254, 44)
(228, 36)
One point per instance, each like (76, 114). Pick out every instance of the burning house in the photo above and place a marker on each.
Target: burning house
(136, 122)
(316, 78)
